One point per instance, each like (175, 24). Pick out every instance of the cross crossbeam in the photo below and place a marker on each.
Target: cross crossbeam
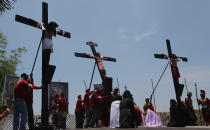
(39, 25)
(98, 58)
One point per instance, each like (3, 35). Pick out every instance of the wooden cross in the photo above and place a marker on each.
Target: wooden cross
(98, 59)
(45, 77)
(174, 69)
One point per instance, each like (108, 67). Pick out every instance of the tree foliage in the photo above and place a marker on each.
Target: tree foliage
(9, 62)
(6, 5)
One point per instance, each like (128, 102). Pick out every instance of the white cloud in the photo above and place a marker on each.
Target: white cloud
(124, 33)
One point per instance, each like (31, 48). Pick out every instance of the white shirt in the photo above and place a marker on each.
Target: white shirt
(115, 114)
(47, 44)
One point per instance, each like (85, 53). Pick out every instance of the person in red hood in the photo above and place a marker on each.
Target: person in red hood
(148, 104)
(29, 104)
(20, 93)
(79, 112)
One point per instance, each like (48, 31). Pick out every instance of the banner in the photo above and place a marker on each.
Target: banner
(55, 90)
(8, 88)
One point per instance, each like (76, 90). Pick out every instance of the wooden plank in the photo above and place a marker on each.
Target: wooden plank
(84, 55)
(169, 48)
(29, 21)
(33, 23)
(109, 59)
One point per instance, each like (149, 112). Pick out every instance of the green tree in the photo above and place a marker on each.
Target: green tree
(8, 61)
(6, 5)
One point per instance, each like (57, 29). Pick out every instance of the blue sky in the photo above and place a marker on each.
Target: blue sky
(129, 30)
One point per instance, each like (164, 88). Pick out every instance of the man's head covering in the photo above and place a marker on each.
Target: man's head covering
(189, 94)
(202, 91)
(52, 24)
(147, 100)
(127, 94)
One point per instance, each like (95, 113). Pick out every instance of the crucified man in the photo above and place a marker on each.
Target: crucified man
(47, 45)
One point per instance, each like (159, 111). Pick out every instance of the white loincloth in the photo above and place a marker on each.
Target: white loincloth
(47, 44)
(115, 114)
(151, 119)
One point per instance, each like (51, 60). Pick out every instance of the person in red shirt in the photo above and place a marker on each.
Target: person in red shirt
(65, 111)
(29, 103)
(192, 119)
(20, 92)
(54, 107)
(88, 108)
(61, 111)
(79, 112)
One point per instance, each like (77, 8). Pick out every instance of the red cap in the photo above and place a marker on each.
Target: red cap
(202, 91)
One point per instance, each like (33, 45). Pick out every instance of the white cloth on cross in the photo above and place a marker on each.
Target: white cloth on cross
(115, 114)
(47, 44)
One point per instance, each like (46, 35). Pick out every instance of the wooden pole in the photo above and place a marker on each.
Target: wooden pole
(197, 103)
(118, 85)
(36, 55)
(92, 75)
(185, 82)
(153, 94)
(85, 84)
(159, 80)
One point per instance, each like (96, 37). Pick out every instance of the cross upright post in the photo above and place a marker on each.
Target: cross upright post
(47, 71)
(45, 102)
(174, 69)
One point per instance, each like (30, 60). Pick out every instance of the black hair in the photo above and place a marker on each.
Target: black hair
(51, 27)
(147, 100)
(127, 94)
(23, 75)
(119, 97)
(173, 102)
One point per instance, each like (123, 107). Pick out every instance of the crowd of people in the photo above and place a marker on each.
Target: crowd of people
(101, 109)
(183, 114)
(124, 113)
(97, 110)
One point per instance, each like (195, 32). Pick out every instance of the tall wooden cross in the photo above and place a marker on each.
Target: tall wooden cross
(45, 80)
(174, 69)
(98, 59)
